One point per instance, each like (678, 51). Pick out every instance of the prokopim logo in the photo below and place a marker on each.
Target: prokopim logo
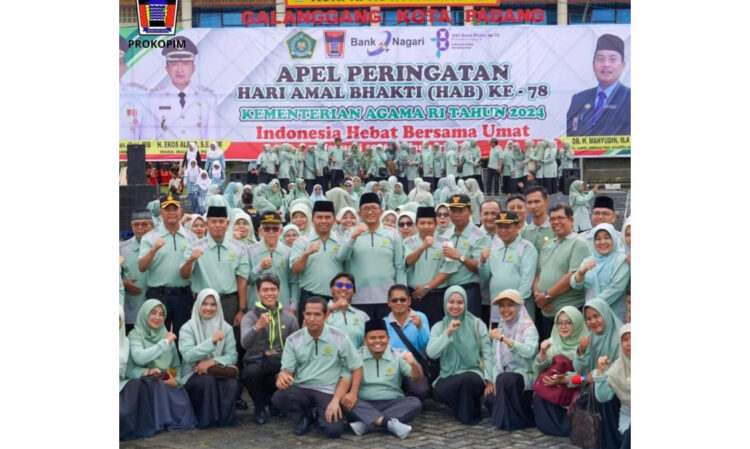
(157, 17)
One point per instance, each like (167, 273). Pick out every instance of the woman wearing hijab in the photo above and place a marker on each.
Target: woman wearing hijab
(216, 174)
(301, 216)
(203, 182)
(275, 195)
(207, 343)
(548, 169)
(340, 199)
(191, 180)
(579, 201)
(606, 274)
(405, 222)
(477, 198)
(515, 344)
(289, 234)
(463, 346)
(299, 192)
(196, 225)
(566, 156)
(287, 164)
(357, 186)
(437, 195)
(241, 228)
(443, 218)
(397, 197)
(423, 196)
(614, 380)
(136, 416)
(154, 207)
(153, 348)
(518, 168)
(385, 191)
(317, 194)
(215, 154)
(567, 332)
(260, 202)
(192, 154)
(388, 219)
(346, 219)
(232, 193)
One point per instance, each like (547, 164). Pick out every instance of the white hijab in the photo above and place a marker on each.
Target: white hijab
(213, 151)
(192, 152)
(193, 172)
(204, 329)
(124, 346)
(216, 170)
(203, 183)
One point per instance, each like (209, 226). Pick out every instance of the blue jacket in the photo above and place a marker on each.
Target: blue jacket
(614, 121)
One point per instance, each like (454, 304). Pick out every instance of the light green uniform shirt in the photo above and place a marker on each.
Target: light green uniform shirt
(289, 292)
(496, 155)
(430, 263)
(538, 235)
(428, 168)
(165, 266)
(319, 364)
(336, 155)
(218, 266)
(512, 266)
(194, 352)
(557, 260)
(469, 243)
(381, 378)
(130, 250)
(382, 249)
(352, 323)
(321, 266)
(439, 164)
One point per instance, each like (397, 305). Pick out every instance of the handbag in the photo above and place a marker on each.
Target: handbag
(430, 367)
(558, 394)
(532, 166)
(479, 345)
(224, 372)
(586, 421)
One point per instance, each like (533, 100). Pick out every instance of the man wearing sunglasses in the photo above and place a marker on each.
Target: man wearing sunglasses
(427, 267)
(341, 314)
(376, 258)
(267, 256)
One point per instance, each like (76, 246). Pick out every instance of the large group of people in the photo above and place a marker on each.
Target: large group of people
(356, 303)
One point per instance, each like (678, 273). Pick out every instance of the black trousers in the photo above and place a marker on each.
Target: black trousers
(511, 404)
(550, 419)
(230, 305)
(337, 177)
(463, 394)
(493, 182)
(260, 381)
(136, 414)
(546, 327)
(323, 181)
(507, 184)
(265, 178)
(303, 295)
(297, 402)
(420, 389)
(309, 185)
(213, 399)
(479, 180)
(431, 180)
(610, 411)
(179, 304)
(474, 297)
(284, 182)
(518, 185)
(374, 311)
(431, 305)
(626, 439)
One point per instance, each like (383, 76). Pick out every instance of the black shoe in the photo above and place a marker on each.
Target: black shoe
(277, 412)
(302, 427)
(260, 417)
(240, 405)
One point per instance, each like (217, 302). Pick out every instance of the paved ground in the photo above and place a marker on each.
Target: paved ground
(433, 428)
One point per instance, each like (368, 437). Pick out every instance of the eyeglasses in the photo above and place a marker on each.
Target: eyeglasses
(345, 285)
(443, 214)
(401, 299)
(405, 224)
(566, 323)
(271, 229)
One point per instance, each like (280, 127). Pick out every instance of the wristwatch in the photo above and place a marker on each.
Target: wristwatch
(426, 288)
(462, 258)
(547, 297)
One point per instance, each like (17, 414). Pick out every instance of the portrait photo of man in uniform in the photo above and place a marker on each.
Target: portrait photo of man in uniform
(180, 108)
(605, 109)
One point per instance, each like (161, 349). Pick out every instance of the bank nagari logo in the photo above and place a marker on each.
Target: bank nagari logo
(441, 41)
(157, 17)
(381, 46)
(301, 46)
(335, 43)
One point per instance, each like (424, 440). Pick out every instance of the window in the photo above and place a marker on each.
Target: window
(623, 16)
(603, 16)
(128, 16)
(209, 20)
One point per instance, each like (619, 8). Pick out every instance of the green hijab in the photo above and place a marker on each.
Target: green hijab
(340, 199)
(575, 191)
(463, 354)
(608, 342)
(151, 337)
(238, 214)
(567, 346)
(396, 199)
(277, 199)
(260, 202)
(358, 190)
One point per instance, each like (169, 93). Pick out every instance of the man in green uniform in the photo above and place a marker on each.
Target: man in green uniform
(538, 232)
(559, 259)
(379, 401)
(160, 257)
(373, 245)
(317, 257)
(427, 267)
(494, 168)
(133, 280)
(318, 365)
(336, 163)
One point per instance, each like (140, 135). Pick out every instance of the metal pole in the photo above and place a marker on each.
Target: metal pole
(562, 12)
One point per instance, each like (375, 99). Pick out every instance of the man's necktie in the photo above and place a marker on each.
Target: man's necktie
(182, 99)
(600, 99)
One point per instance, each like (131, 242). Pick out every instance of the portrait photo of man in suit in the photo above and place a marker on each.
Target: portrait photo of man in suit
(605, 109)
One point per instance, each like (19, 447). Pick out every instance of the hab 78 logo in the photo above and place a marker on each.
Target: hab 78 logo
(157, 17)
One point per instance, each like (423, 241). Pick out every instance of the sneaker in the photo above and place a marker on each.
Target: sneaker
(358, 427)
(303, 426)
(398, 428)
(260, 417)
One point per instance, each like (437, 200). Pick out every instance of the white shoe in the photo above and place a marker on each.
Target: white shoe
(398, 428)
(358, 427)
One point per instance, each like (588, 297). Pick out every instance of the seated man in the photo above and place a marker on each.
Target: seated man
(318, 365)
(265, 330)
(381, 402)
